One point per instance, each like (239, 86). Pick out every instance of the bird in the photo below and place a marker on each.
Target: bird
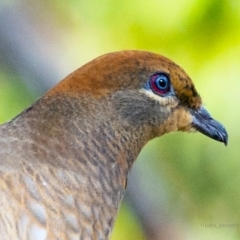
(65, 160)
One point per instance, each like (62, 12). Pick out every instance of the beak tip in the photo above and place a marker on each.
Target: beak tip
(221, 133)
(205, 124)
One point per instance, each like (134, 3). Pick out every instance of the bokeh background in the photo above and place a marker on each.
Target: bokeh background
(183, 186)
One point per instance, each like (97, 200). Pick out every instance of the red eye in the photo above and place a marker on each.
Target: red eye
(160, 83)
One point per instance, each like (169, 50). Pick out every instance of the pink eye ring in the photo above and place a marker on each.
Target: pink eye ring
(160, 83)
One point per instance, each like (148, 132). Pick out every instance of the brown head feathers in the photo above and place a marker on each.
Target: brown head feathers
(127, 70)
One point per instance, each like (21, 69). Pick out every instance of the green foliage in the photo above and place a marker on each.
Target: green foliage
(126, 226)
(14, 96)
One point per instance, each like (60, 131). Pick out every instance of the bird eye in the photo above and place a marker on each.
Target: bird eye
(160, 83)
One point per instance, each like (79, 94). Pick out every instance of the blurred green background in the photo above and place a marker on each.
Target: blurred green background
(183, 186)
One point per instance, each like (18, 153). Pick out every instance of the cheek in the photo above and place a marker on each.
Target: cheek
(179, 120)
(184, 120)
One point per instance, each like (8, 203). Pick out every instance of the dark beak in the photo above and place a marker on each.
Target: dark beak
(204, 123)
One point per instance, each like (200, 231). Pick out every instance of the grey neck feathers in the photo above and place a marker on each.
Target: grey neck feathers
(72, 159)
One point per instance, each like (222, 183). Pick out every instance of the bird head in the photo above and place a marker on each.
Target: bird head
(71, 152)
(143, 90)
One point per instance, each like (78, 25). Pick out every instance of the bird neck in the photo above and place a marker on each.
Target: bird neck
(85, 154)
